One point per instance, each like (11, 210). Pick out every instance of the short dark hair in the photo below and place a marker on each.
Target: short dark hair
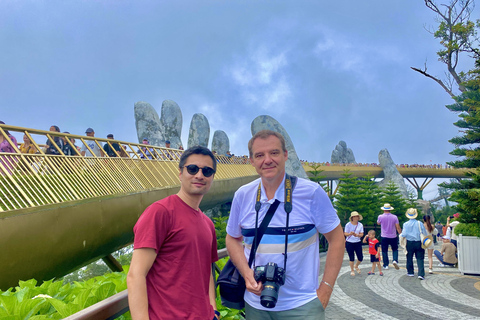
(264, 134)
(197, 150)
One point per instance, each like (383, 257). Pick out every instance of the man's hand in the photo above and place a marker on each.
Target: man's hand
(323, 293)
(252, 285)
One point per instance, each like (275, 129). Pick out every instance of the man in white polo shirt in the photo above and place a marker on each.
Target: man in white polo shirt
(302, 296)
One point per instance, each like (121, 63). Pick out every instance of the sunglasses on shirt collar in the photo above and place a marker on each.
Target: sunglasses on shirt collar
(193, 170)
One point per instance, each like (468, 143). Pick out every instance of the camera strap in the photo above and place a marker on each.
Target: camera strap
(290, 182)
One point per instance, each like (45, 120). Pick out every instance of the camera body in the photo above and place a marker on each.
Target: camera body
(272, 276)
(451, 217)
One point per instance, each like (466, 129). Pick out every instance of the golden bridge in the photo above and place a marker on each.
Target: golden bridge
(58, 212)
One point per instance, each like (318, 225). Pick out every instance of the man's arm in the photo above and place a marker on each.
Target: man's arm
(211, 292)
(235, 251)
(333, 263)
(399, 230)
(142, 261)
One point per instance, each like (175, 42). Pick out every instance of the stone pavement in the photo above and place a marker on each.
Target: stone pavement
(445, 294)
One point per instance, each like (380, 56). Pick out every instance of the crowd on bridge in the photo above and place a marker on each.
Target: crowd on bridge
(67, 145)
(421, 166)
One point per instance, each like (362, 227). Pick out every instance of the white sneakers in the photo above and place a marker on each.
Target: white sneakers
(395, 264)
(430, 271)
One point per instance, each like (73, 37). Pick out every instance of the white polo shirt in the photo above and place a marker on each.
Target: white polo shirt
(312, 213)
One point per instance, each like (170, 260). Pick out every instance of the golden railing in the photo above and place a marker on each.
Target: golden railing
(31, 180)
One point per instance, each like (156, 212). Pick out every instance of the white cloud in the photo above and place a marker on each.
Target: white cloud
(351, 53)
(261, 79)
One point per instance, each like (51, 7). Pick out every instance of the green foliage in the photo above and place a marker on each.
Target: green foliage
(371, 202)
(55, 300)
(98, 268)
(348, 197)
(317, 177)
(358, 194)
(467, 147)
(221, 230)
(442, 214)
(468, 229)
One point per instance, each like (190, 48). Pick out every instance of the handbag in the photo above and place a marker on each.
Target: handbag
(426, 240)
(230, 282)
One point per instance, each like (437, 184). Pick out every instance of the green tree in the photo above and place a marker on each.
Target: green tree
(372, 201)
(467, 191)
(457, 36)
(357, 194)
(316, 176)
(348, 197)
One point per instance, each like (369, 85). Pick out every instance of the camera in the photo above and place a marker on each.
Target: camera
(272, 277)
(451, 217)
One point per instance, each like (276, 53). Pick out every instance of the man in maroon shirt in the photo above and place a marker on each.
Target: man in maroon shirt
(170, 275)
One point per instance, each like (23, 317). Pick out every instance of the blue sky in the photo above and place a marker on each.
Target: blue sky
(327, 71)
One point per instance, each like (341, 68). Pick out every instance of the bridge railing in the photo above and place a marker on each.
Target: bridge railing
(37, 179)
(116, 305)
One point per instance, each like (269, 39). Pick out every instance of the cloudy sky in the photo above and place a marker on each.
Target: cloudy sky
(326, 70)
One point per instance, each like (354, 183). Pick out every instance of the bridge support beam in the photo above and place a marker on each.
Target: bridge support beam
(112, 263)
(421, 187)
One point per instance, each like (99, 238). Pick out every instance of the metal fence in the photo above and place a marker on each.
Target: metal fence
(36, 178)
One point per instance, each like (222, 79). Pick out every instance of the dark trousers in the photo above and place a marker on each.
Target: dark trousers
(393, 242)
(415, 248)
(354, 248)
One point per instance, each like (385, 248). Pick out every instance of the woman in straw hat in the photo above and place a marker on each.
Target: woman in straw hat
(354, 233)
(411, 231)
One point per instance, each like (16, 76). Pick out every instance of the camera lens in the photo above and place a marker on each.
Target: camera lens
(269, 295)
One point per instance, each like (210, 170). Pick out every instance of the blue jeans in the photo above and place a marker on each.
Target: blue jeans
(415, 248)
(440, 258)
(393, 242)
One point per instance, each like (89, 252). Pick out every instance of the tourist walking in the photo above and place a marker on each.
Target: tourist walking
(389, 227)
(374, 250)
(430, 231)
(354, 233)
(411, 232)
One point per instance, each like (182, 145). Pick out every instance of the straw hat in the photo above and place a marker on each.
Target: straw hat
(356, 214)
(411, 213)
(387, 206)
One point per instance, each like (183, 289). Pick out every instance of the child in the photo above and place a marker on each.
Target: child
(374, 250)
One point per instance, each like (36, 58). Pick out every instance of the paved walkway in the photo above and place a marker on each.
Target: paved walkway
(445, 294)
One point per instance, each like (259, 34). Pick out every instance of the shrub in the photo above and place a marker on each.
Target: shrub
(468, 229)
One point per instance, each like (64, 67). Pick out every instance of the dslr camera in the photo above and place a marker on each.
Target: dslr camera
(272, 277)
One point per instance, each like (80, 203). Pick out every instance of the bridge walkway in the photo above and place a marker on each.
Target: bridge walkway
(58, 212)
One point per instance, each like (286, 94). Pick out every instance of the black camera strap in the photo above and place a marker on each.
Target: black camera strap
(290, 182)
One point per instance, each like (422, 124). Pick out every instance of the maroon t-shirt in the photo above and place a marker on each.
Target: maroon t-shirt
(186, 246)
